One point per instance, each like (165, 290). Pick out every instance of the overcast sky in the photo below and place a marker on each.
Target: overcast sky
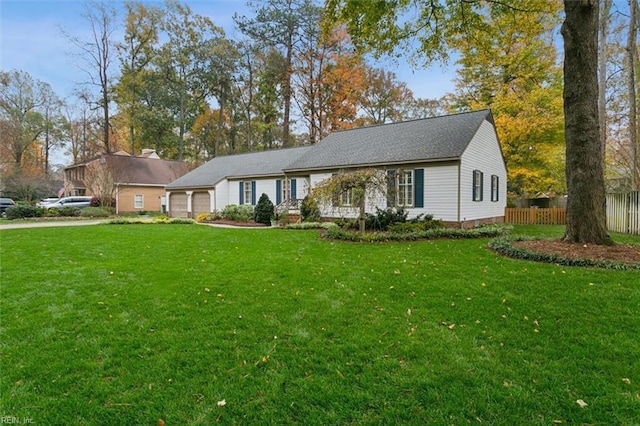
(32, 40)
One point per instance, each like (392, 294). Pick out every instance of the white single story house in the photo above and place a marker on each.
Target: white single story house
(450, 167)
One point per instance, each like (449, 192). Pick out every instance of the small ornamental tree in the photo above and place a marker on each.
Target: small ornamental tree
(357, 187)
(264, 210)
(309, 211)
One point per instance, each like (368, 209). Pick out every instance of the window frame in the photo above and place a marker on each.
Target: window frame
(495, 188)
(405, 188)
(346, 198)
(247, 192)
(476, 187)
(285, 189)
(139, 197)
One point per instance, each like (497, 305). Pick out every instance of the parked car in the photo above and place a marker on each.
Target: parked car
(48, 200)
(78, 202)
(5, 203)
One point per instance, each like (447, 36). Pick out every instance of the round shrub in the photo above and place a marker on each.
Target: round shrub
(203, 217)
(264, 210)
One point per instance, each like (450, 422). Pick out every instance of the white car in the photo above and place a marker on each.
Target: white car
(77, 202)
(45, 201)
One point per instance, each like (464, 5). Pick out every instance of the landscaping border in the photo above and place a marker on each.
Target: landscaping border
(505, 247)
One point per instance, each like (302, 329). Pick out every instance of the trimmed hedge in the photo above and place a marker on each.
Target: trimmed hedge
(311, 225)
(94, 212)
(505, 247)
(160, 220)
(490, 231)
(23, 211)
(243, 213)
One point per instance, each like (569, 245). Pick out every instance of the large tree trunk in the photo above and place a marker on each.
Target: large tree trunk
(586, 204)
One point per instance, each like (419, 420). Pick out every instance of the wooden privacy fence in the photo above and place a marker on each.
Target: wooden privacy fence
(536, 216)
(623, 212)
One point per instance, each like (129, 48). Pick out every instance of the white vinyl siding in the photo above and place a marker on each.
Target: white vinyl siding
(483, 154)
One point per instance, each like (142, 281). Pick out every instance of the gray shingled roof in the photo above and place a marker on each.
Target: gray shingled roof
(253, 164)
(428, 139)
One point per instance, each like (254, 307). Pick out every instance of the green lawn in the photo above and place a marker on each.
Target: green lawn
(117, 324)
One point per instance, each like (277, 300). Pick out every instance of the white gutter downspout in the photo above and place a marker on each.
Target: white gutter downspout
(460, 192)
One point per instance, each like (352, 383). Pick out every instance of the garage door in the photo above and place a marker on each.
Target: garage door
(201, 203)
(178, 204)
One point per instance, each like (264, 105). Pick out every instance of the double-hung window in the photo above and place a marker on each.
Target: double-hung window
(138, 201)
(286, 189)
(247, 194)
(477, 185)
(404, 188)
(494, 188)
(346, 198)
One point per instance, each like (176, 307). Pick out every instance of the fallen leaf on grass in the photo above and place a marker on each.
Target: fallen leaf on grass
(222, 403)
(160, 422)
(581, 403)
(627, 381)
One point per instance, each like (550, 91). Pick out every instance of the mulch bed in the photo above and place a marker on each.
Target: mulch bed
(623, 253)
(250, 224)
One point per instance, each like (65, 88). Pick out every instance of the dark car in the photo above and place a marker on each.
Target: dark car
(5, 203)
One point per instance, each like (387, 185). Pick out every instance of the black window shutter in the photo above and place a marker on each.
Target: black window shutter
(418, 188)
(391, 188)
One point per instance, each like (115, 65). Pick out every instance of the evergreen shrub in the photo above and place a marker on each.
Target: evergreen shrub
(264, 210)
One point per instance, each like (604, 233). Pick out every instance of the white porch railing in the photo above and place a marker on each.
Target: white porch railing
(290, 205)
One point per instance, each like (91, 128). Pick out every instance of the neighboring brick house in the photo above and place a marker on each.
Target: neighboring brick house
(135, 183)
